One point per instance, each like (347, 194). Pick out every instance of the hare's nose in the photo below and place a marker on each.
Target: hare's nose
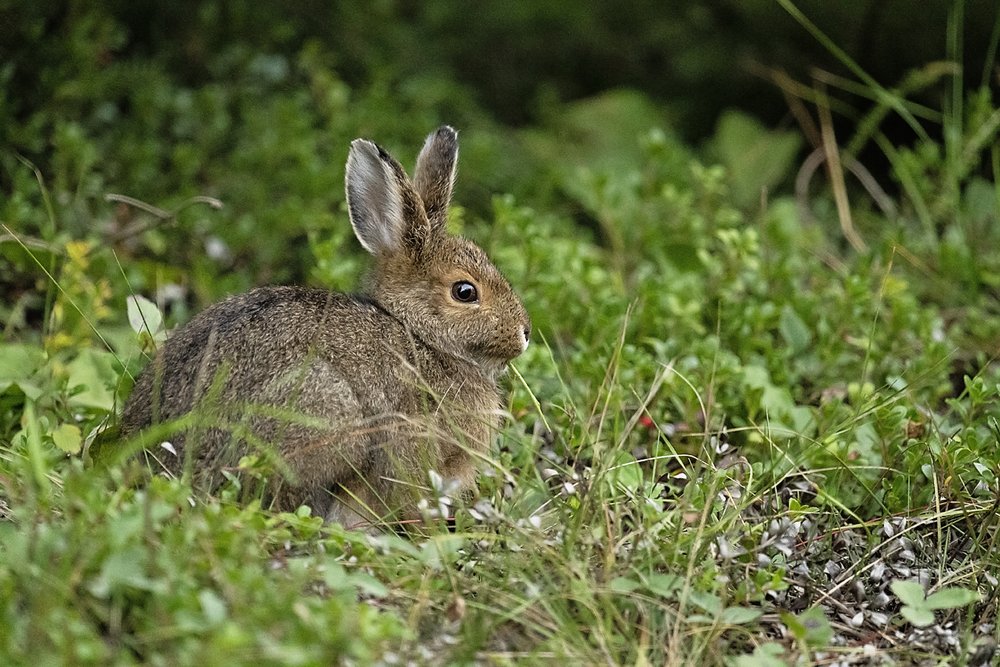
(527, 336)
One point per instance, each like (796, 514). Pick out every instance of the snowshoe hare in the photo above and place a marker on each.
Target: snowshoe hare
(357, 397)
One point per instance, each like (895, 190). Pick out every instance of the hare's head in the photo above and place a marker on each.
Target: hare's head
(442, 287)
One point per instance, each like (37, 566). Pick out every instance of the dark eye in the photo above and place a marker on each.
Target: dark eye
(465, 292)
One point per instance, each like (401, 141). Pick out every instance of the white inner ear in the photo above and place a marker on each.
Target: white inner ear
(374, 198)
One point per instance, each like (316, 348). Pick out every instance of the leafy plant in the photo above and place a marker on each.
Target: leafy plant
(918, 607)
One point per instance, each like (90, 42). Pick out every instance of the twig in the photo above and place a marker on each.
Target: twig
(836, 173)
(160, 215)
(29, 241)
(860, 172)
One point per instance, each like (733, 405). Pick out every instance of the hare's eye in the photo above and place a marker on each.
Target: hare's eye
(465, 292)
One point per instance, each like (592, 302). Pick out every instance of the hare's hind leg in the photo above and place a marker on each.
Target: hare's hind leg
(356, 506)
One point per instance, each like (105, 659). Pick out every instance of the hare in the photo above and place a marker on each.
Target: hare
(357, 396)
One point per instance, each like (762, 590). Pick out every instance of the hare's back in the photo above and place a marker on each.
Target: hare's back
(239, 346)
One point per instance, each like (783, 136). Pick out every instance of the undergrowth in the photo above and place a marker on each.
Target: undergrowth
(750, 422)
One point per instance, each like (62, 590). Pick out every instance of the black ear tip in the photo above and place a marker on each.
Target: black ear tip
(383, 154)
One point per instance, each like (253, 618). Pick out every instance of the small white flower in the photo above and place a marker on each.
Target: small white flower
(437, 482)
(170, 292)
(483, 511)
(217, 249)
(167, 445)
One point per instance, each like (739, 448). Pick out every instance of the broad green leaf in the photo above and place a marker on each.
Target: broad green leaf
(143, 315)
(369, 585)
(392, 543)
(68, 438)
(818, 630)
(334, 575)
(794, 330)
(756, 377)
(213, 606)
(909, 592)
(740, 615)
(757, 158)
(625, 472)
(623, 585)
(18, 363)
(918, 616)
(950, 598)
(765, 655)
(124, 569)
(442, 549)
(710, 603)
(663, 584)
(810, 627)
(92, 376)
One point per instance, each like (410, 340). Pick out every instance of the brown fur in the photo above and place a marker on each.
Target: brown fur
(359, 396)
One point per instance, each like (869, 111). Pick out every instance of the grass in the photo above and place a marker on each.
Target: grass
(734, 440)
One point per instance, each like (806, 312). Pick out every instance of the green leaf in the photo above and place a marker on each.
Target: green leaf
(334, 575)
(143, 315)
(369, 585)
(18, 363)
(818, 630)
(740, 615)
(625, 472)
(92, 377)
(765, 655)
(663, 584)
(756, 377)
(918, 616)
(212, 606)
(123, 569)
(909, 592)
(68, 438)
(623, 585)
(810, 627)
(755, 157)
(794, 330)
(951, 598)
(707, 601)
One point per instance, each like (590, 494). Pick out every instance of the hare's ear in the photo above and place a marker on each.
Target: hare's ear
(434, 176)
(385, 212)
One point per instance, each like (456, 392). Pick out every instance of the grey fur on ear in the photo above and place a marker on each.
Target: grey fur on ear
(434, 176)
(375, 198)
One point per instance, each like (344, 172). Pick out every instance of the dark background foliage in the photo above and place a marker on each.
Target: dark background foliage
(696, 59)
